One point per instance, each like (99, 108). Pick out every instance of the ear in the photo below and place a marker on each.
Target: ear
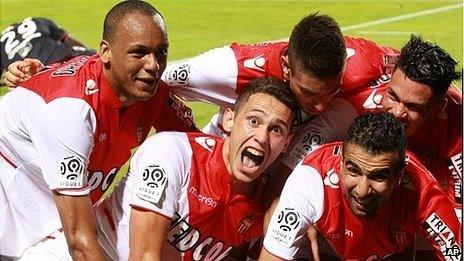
(228, 120)
(104, 51)
(285, 67)
(289, 141)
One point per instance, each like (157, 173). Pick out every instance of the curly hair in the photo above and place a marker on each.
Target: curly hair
(378, 132)
(429, 64)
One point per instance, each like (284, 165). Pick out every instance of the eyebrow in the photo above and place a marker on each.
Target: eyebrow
(393, 93)
(374, 172)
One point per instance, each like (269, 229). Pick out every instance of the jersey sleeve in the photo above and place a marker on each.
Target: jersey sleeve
(210, 77)
(300, 204)
(55, 32)
(159, 171)
(62, 133)
(439, 224)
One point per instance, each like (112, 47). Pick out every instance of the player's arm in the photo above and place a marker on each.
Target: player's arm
(79, 226)
(300, 204)
(62, 133)
(155, 180)
(147, 234)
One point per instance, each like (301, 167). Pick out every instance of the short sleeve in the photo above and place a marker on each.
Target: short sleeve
(159, 172)
(300, 204)
(62, 133)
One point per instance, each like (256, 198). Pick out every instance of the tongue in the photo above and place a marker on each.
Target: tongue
(247, 162)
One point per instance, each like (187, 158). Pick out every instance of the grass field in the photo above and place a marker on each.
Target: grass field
(196, 26)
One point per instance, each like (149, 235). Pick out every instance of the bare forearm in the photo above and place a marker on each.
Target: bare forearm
(79, 227)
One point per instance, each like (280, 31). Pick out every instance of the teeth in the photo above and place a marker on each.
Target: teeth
(255, 152)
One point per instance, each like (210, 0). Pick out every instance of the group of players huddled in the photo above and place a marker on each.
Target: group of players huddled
(325, 147)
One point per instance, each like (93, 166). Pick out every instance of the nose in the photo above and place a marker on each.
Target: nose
(363, 187)
(321, 102)
(152, 64)
(262, 135)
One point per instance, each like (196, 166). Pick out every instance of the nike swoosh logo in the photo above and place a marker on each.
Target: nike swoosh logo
(373, 100)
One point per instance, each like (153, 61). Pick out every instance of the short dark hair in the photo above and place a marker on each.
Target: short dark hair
(317, 46)
(267, 85)
(114, 16)
(378, 132)
(429, 64)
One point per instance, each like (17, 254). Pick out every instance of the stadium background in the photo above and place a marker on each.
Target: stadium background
(197, 26)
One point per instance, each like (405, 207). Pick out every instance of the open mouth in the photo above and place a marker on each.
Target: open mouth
(252, 157)
(147, 81)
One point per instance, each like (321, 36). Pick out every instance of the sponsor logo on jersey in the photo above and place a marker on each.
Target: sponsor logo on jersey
(440, 232)
(98, 179)
(256, 63)
(184, 237)
(152, 184)
(71, 68)
(332, 179)
(183, 113)
(284, 226)
(204, 199)
(455, 168)
(72, 172)
(178, 75)
(206, 142)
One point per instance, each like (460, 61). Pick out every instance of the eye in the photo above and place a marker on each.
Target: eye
(138, 53)
(380, 177)
(277, 130)
(253, 121)
(162, 53)
(352, 171)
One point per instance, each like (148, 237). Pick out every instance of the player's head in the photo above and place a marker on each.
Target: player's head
(134, 49)
(259, 128)
(373, 161)
(315, 61)
(419, 84)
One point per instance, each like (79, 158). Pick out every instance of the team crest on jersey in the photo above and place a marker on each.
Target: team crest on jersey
(440, 232)
(332, 179)
(179, 75)
(284, 227)
(72, 172)
(245, 224)
(152, 184)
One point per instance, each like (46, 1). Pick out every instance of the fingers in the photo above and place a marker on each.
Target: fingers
(312, 236)
(20, 71)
